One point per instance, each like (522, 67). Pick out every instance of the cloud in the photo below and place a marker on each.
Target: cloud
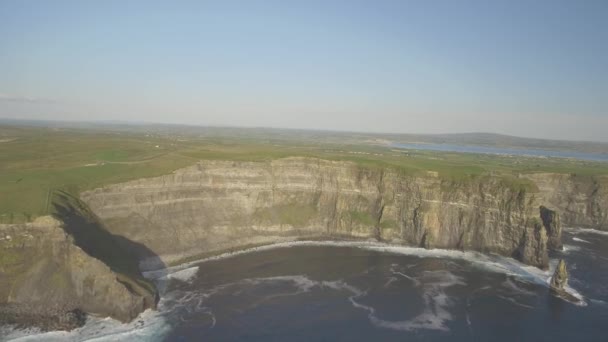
(24, 99)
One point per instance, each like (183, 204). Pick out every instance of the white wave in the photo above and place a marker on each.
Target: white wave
(213, 320)
(580, 240)
(577, 295)
(155, 326)
(149, 326)
(185, 275)
(570, 248)
(512, 286)
(414, 281)
(493, 263)
(434, 315)
(301, 282)
(586, 230)
(512, 300)
(390, 281)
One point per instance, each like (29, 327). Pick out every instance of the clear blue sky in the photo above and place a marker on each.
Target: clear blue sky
(529, 68)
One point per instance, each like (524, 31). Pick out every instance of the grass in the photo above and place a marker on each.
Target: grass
(388, 224)
(362, 217)
(35, 162)
(287, 214)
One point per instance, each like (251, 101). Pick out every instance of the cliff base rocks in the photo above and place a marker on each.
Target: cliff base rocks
(559, 281)
(55, 269)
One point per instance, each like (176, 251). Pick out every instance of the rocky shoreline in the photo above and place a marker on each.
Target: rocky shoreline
(45, 318)
(86, 259)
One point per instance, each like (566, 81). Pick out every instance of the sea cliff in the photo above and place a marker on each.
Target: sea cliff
(219, 205)
(55, 270)
(88, 257)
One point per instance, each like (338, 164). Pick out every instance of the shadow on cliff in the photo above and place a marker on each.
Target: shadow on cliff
(120, 254)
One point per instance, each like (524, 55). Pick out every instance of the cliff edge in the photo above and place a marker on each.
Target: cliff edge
(219, 205)
(51, 276)
(87, 257)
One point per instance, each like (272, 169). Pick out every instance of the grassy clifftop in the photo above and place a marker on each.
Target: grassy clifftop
(36, 162)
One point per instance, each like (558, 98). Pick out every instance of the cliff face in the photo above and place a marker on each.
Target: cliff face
(48, 280)
(87, 258)
(552, 224)
(581, 201)
(218, 205)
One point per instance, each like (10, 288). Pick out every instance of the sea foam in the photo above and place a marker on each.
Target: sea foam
(152, 325)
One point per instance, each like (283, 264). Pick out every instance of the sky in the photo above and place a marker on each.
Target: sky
(527, 68)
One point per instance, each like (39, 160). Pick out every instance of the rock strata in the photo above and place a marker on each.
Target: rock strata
(47, 280)
(45, 318)
(559, 283)
(552, 225)
(581, 200)
(533, 248)
(220, 205)
(87, 258)
(560, 277)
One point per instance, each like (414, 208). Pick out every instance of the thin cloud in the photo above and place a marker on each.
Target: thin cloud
(24, 99)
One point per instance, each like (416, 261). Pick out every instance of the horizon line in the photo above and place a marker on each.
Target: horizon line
(142, 123)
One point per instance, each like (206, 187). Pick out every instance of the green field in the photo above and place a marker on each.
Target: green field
(37, 161)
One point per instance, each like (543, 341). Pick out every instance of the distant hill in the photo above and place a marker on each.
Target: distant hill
(319, 136)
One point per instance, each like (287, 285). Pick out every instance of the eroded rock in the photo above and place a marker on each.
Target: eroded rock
(221, 205)
(533, 246)
(552, 224)
(49, 281)
(559, 280)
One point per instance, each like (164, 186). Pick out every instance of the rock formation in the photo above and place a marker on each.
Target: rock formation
(560, 277)
(559, 282)
(581, 201)
(50, 275)
(218, 205)
(553, 227)
(88, 257)
(533, 246)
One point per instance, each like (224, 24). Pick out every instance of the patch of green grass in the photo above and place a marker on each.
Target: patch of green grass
(289, 214)
(362, 217)
(388, 224)
(10, 258)
(34, 162)
(59, 279)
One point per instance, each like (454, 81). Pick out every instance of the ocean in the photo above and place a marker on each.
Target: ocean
(362, 291)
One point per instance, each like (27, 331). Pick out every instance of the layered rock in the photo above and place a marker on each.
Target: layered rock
(86, 258)
(559, 280)
(559, 283)
(551, 222)
(48, 280)
(533, 247)
(581, 201)
(219, 205)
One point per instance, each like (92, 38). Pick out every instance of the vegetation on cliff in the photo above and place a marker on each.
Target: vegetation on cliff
(35, 162)
(56, 269)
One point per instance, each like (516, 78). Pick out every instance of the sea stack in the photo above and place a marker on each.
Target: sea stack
(559, 281)
(552, 224)
(560, 277)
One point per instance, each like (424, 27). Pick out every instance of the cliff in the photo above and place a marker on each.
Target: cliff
(553, 227)
(56, 269)
(581, 201)
(87, 257)
(219, 205)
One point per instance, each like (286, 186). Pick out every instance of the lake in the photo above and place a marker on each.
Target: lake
(602, 157)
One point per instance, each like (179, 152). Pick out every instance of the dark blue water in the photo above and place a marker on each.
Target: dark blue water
(329, 293)
(369, 292)
(602, 157)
